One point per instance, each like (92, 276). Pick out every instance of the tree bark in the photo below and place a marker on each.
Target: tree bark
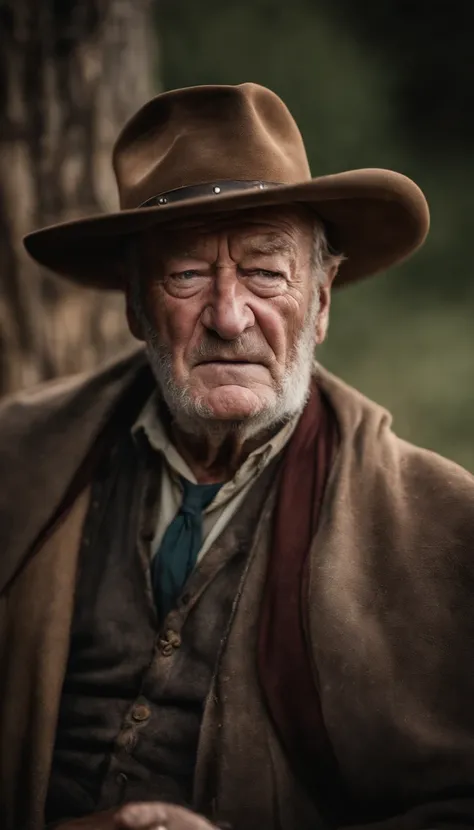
(71, 73)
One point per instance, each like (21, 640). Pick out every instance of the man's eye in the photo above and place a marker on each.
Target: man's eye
(265, 273)
(184, 275)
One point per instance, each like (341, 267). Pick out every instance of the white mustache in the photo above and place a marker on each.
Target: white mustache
(233, 352)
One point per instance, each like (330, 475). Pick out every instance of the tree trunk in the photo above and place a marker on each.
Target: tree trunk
(71, 73)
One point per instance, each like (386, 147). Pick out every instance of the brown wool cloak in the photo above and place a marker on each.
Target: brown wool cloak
(390, 608)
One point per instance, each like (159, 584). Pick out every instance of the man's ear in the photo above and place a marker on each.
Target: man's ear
(324, 289)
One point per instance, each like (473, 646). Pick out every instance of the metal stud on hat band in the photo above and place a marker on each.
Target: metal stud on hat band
(220, 188)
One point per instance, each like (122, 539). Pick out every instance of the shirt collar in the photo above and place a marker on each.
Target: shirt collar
(151, 424)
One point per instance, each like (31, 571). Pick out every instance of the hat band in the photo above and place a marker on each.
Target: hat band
(219, 188)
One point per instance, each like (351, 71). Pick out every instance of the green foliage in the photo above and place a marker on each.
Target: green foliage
(405, 338)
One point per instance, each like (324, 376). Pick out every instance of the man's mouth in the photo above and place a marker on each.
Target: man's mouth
(226, 361)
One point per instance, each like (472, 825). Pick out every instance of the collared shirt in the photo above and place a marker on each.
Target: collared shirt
(231, 494)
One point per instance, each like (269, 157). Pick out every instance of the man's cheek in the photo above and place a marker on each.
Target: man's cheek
(181, 319)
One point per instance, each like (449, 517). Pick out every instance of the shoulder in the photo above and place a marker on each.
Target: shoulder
(25, 415)
(45, 435)
(401, 478)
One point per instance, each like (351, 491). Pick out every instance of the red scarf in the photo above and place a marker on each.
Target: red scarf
(285, 668)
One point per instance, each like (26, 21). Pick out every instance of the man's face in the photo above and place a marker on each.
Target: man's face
(225, 307)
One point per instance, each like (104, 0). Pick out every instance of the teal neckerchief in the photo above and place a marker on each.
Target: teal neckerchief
(177, 554)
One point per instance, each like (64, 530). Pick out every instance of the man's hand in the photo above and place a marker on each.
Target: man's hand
(142, 816)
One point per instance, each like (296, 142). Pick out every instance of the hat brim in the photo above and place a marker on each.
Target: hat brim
(376, 218)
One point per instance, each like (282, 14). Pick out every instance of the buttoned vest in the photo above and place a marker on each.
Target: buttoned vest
(134, 692)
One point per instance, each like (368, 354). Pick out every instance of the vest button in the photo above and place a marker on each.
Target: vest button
(169, 641)
(140, 712)
(173, 638)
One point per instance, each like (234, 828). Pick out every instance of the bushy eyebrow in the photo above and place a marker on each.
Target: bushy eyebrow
(270, 245)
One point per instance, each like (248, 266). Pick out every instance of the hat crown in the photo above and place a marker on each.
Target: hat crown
(201, 134)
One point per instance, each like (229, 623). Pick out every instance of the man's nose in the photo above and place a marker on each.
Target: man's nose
(227, 312)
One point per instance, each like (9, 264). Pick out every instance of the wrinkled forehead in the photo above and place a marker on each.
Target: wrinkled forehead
(267, 231)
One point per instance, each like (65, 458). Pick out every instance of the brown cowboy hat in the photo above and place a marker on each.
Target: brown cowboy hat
(208, 149)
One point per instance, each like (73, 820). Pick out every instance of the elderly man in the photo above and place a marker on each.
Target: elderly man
(227, 588)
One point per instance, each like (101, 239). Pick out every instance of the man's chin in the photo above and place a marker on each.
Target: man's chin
(232, 403)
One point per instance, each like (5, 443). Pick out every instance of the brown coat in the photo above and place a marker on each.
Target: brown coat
(390, 618)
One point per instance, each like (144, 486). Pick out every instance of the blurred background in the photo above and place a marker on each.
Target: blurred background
(378, 84)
